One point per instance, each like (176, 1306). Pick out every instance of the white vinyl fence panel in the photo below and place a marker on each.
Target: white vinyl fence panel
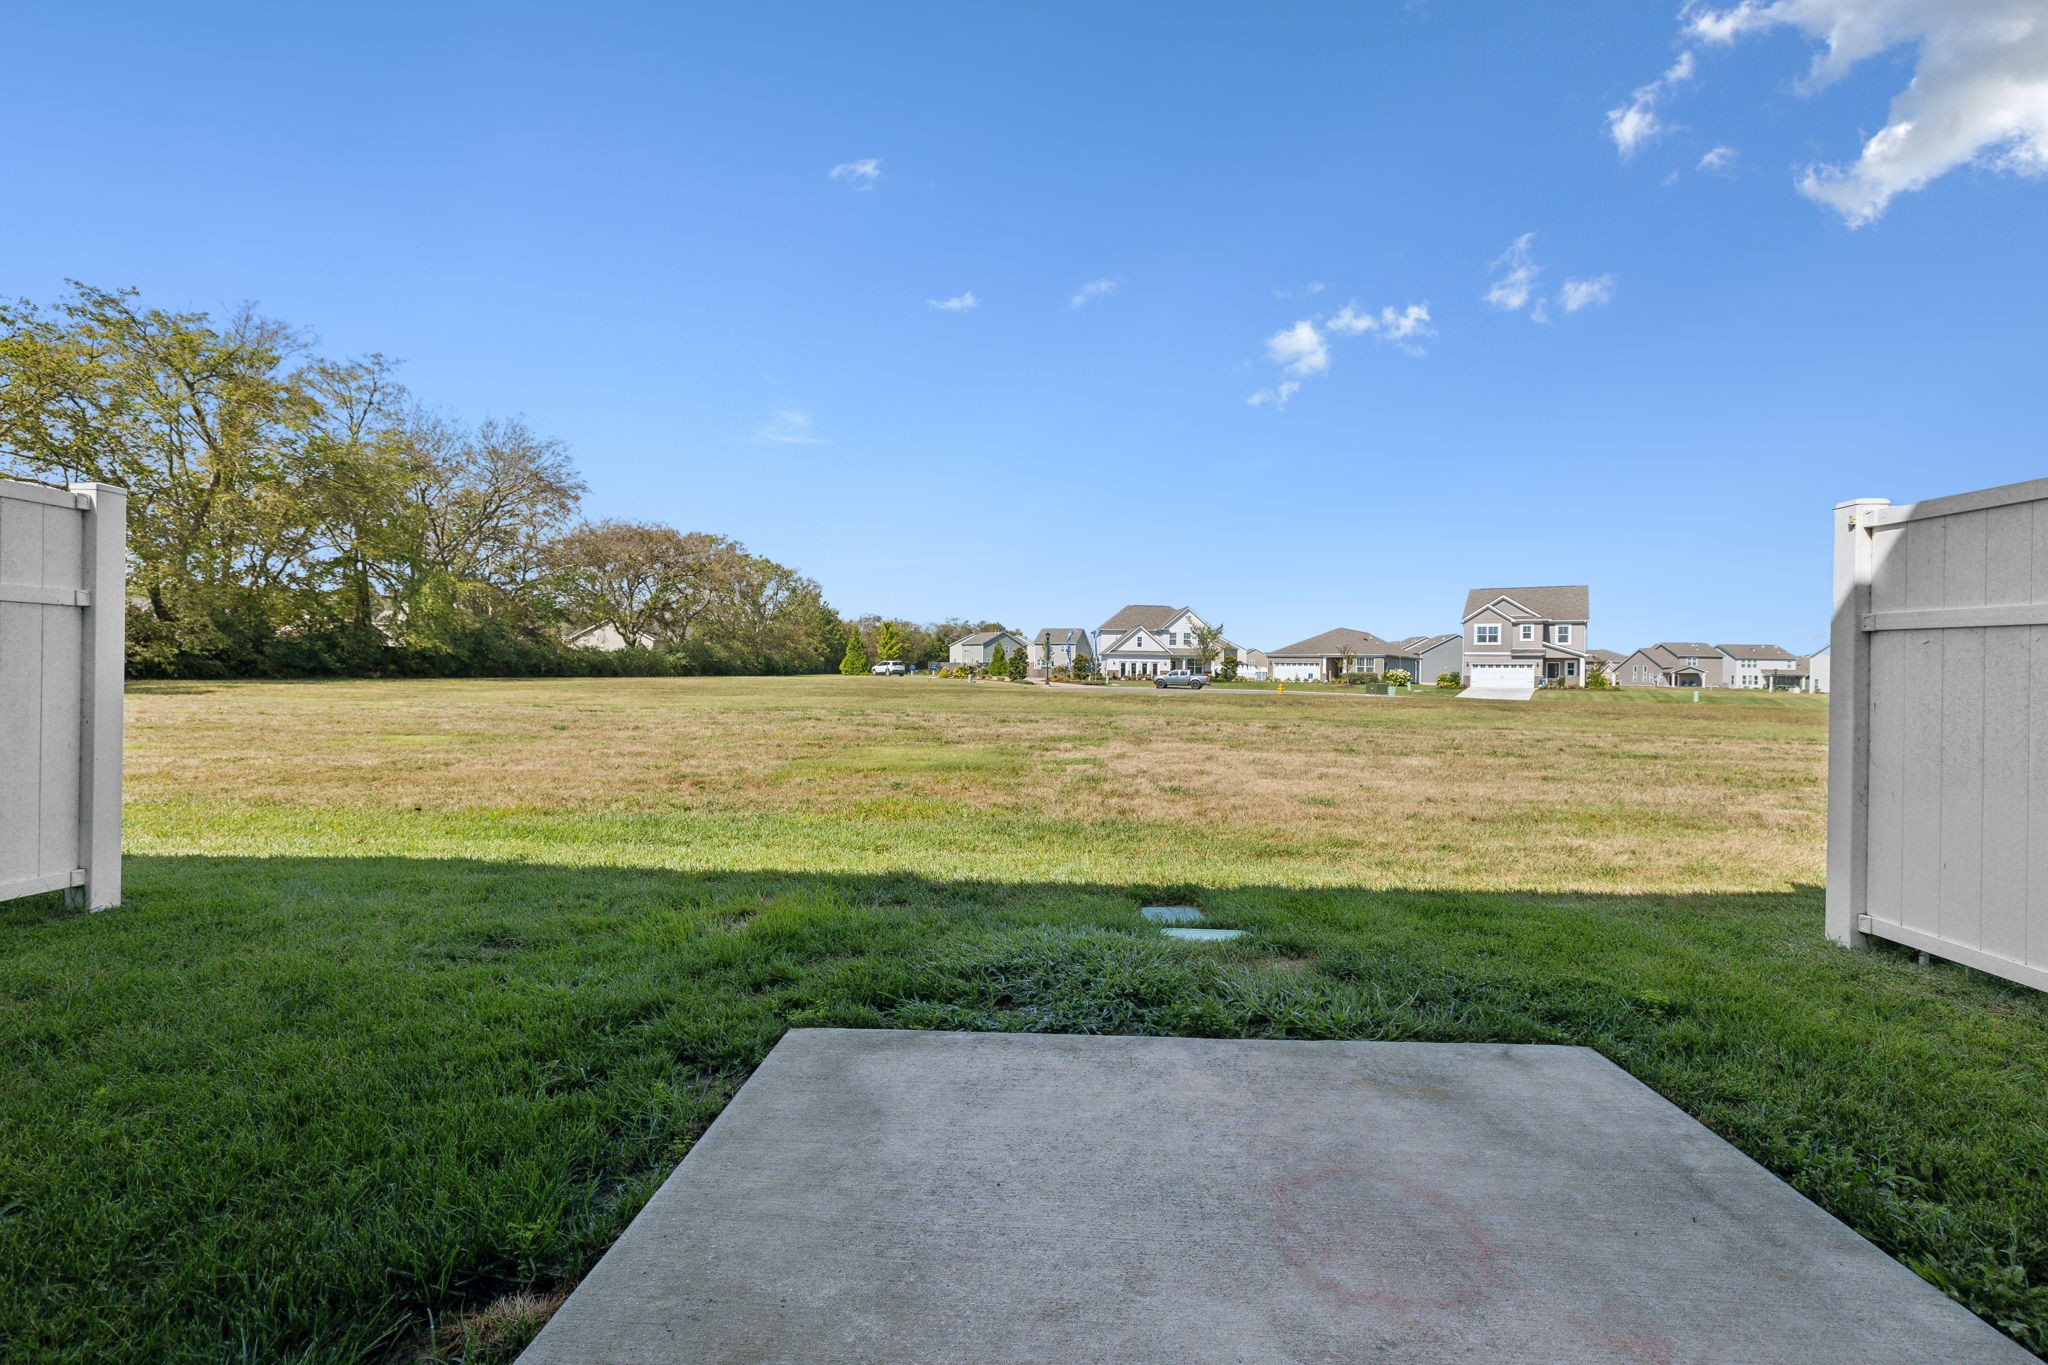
(63, 590)
(1938, 728)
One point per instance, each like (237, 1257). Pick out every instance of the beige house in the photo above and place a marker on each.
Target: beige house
(1327, 657)
(1605, 661)
(1144, 641)
(974, 651)
(1519, 638)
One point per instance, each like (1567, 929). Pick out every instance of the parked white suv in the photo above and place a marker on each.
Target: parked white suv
(890, 668)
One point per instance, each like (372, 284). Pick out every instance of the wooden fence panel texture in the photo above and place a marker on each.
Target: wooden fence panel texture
(1938, 734)
(63, 575)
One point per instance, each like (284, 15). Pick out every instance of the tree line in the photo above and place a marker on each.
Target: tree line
(291, 514)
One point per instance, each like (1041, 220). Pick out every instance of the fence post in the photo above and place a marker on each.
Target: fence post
(1848, 861)
(103, 666)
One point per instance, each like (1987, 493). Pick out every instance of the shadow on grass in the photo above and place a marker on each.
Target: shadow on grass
(309, 1108)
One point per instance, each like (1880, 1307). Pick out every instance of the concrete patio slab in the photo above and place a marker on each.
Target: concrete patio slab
(889, 1196)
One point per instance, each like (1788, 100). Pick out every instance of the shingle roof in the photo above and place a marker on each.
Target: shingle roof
(1132, 617)
(1674, 653)
(982, 637)
(1417, 644)
(1560, 603)
(1754, 652)
(1059, 635)
(1334, 642)
(1606, 656)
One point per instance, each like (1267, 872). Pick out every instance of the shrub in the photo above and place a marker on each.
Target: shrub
(1018, 667)
(1448, 680)
(1397, 676)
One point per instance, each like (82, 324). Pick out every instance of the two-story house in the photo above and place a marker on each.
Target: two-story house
(1672, 663)
(1518, 638)
(1056, 646)
(1753, 665)
(1144, 641)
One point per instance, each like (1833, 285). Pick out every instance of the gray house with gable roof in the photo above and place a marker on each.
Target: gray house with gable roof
(975, 651)
(1526, 637)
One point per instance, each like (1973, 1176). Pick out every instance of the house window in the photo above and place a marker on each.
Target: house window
(1564, 635)
(1486, 635)
(1528, 632)
(1571, 668)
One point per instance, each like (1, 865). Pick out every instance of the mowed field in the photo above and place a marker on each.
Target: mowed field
(421, 988)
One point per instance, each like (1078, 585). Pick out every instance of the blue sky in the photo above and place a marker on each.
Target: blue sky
(623, 223)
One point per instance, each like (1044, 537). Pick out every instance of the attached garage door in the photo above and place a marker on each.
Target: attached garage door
(1504, 676)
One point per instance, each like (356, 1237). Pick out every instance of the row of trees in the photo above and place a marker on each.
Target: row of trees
(290, 513)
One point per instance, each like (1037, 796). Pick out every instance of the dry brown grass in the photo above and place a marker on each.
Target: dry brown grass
(1620, 792)
(497, 1333)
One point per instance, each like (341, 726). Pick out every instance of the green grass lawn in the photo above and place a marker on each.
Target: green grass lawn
(421, 988)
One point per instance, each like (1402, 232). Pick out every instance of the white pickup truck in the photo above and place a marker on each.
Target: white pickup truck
(890, 668)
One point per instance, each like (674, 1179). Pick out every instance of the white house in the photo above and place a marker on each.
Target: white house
(975, 651)
(1817, 668)
(1756, 666)
(1144, 641)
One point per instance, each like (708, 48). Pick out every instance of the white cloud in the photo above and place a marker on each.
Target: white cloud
(1299, 349)
(1304, 349)
(861, 174)
(1577, 294)
(789, 428)
(959, 303)
(1979, 92)
(1635, 123)
(1718, 159)
(1094, 289)
(1404, 327)
(1514, 284)
(1312, 287)
(1349, 322)
(1516, 279)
